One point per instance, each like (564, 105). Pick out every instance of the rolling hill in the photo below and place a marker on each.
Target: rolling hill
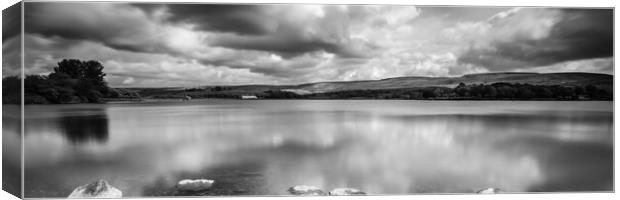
(576, 79)
(603, 81)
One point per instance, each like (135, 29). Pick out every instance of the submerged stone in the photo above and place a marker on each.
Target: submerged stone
(489, 191)
(97, 189)
(305, 190)
(194, 185)
(346, 192)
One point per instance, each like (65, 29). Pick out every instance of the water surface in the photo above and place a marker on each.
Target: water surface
(264, 147)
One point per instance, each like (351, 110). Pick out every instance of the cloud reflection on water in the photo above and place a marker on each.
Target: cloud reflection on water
(381, 151)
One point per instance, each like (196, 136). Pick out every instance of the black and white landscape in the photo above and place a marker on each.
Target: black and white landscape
(146, 99)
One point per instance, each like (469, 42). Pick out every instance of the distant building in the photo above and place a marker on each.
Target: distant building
(249, 97)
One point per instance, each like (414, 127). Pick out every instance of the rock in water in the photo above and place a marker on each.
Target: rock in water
(489, 191)
(346, 192)
(97, 189)
(305, 190)
(194, 185)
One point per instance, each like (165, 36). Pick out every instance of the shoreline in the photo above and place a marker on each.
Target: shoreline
(168, 100)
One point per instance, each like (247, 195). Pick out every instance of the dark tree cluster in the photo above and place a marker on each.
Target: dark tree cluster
(11, 90)
(401, 93)
(72, 81)
(528, 91)
(211, 89)
(279, 94)
(181, 95)
(219, 88)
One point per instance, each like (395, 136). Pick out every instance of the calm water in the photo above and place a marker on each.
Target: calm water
(264, 147)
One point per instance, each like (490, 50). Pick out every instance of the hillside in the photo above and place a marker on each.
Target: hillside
(576, 79)
(601, 81)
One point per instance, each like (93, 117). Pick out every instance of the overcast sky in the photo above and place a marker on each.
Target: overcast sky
(156, 45)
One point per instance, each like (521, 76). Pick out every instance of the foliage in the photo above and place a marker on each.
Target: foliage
(72, 81)
(11, 90)
(495, 91)
(278, 94)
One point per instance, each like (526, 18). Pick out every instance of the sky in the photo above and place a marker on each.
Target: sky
(162, 45)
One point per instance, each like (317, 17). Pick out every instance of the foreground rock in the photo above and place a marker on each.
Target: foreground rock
(97, 189)
(489, 191)
(194, 185)
(346, 192)
(305, 190)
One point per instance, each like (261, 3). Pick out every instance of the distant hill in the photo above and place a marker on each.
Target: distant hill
(601, 81)
(575, 79)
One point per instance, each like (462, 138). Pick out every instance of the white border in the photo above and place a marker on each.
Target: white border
(554, 3)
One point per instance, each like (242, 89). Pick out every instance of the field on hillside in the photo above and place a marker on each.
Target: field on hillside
(391, 85)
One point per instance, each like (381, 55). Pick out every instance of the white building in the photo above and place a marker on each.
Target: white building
(249, 97)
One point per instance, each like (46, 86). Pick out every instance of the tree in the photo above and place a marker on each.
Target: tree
(546, 93)
(490, 91)
(84, 70)
(526, 93)
(11, 90)
(86, 91)
(72, 81)
(62, 79)
(71, 67)
(591, 90)
(477, 90)
(461, 90)
(93, 71)
(428, 93)
(36, 83)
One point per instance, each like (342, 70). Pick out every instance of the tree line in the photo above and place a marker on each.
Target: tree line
(72, 81)
(495, 91)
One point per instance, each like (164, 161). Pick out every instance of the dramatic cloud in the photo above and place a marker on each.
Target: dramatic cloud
(115, 25)
(11, 59)
(194, 44)
(239, 19)
(11, 21)
(11, 51)
(539, 37)
(288, 30)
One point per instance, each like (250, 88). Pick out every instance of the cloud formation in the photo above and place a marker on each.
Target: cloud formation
(11, 21)
(115, 25)
(537, 37)
(288, 30)
(236, 18)
(188, 44)
(11, 49)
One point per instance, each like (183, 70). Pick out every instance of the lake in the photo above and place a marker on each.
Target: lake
(263, 147)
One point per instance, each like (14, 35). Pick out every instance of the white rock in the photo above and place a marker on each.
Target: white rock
(489, 191)
(346, 192)
(305, 190)
(194, 185)
(97, 189)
